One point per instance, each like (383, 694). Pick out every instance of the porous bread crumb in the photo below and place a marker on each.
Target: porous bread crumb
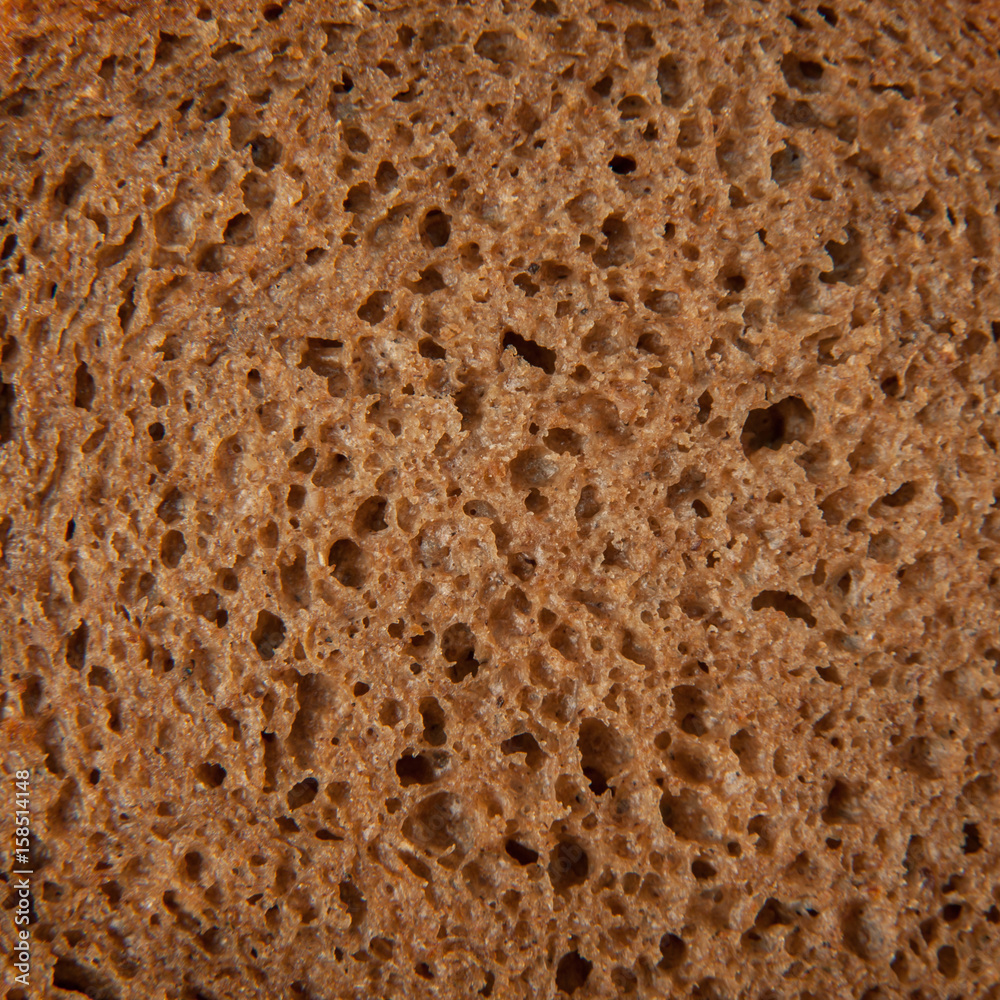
(503, 499)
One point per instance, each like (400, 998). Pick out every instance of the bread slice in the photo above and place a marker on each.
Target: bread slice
(502, 499)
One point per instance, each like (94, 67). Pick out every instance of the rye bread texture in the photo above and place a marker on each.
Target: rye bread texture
(502, 499)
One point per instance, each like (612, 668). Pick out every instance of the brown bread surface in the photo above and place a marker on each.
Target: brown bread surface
(502, 499)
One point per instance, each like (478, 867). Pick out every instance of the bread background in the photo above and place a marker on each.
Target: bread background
(503, 499)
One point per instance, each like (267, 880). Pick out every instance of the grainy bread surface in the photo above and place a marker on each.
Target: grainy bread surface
(502, 499)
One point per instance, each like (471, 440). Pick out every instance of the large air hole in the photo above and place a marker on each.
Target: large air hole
(901, 497)
(777, 425)
(568, 865)
(8, 399)
(572, 972)
(435, 228)
(415, 769)
(788, 604)
(535, 354)
(522, 854)
(265, 151)
(603, 753)
(458, 646)
(85, 388)
(848, 260)
(268, 634)
(348, 563)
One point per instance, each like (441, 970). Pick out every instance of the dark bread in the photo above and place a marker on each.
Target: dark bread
(503, 499)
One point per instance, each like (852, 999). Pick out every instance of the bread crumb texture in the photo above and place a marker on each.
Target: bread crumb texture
(503, 499)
